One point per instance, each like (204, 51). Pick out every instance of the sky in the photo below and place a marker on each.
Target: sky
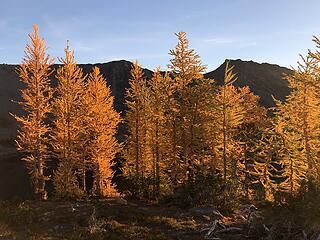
(273, 31)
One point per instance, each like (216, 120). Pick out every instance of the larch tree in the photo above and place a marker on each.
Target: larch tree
(162, 114)
(268, 169)
(164, 109)
(33, 136)
(249, 136)
(314, 57)
(230, 115)
(186, 67)
(137, 153)
(157, 125)
(102, 126)
(185, 64)
(297, 121)
(200, 105)
(69, 132)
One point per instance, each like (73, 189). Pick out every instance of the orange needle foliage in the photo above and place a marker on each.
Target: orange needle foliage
(102, 126)
(69, 128)
(33, 136)
(137, 96)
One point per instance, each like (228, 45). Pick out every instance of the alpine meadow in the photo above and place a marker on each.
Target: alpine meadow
(122, 152)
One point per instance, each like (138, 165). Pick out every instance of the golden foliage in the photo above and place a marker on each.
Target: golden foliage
(102, 126)
(33, 136)
(185, 63)
(137, 98)
(69, 131)
(297, 123)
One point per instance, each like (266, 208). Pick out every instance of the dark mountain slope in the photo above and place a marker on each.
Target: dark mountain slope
(263, 79)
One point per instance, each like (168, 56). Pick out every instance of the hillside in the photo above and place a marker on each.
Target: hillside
(263, 79)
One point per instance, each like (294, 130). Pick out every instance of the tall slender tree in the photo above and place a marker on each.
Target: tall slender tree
(137, 153)
(185, 64)
(69, 133)
(102, 127)
(230, 115)
(161, 118)
(186, 67)
(248, 137)
(157, 127)
(297, 121)
(33, 136)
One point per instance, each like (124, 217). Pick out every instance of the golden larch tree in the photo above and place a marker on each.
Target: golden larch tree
(137, 153)
(33, 136)
(200, 105)
(185, 64)
(186, 67)
(102, 127)
(229, 115)
(248, 137)
(69, 132)
(161, 111)
(297, 121)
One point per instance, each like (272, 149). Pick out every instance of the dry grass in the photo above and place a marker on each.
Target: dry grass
(94, 220)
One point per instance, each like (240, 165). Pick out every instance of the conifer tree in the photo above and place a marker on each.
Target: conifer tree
(186, 67)
(138, 155)
(297, 122)
(200, 119)
(268, 168)
(229, 116)
(69, 133)
(185, 64)
(249, 136)
(33, 136)
(102, 126)
(156, 130)
(162, 114)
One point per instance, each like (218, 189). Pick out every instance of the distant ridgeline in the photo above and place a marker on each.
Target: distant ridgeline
(264, 80)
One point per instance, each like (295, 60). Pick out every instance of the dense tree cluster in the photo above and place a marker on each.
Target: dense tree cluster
(181, 130)
(74, 124)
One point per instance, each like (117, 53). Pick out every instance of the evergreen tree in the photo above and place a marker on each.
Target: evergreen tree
(33, 136)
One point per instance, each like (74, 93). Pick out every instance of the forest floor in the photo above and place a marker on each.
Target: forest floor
(118, 219)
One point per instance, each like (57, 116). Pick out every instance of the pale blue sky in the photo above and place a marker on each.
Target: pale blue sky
(273, 31)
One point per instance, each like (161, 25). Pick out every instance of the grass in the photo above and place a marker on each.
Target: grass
(79, 220)
(107, 219)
